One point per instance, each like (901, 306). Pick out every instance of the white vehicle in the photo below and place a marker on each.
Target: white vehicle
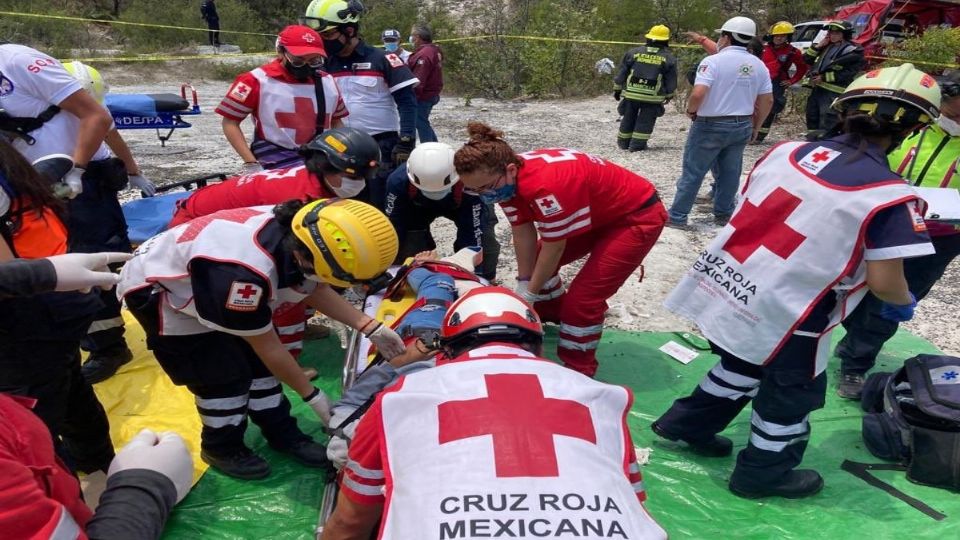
(807, 33)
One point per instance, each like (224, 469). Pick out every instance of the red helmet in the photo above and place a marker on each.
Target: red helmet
(488, 314)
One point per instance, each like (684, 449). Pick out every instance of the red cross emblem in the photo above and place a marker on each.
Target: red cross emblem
(766, 226)
(521, 421)
(193, 228)
(247, 291)
(303, 119)
(820, 156)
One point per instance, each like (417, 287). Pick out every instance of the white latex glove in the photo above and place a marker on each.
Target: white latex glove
(144, 184)
(523, 292)
(387, 341)
(164, 453)
(337, 446)
(320, 404)
(74, 180)
(81, 271)
(250, 168)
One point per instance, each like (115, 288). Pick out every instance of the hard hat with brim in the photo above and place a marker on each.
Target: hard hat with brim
(885, 92)
(659, 32)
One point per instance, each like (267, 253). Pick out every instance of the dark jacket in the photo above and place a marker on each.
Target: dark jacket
(427, 65)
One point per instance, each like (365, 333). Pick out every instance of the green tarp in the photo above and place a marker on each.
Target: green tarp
(687, 494)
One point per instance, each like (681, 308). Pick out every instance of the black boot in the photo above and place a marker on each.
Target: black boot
(851, 386)
(307, 452)
(715, 446)
(796, 484)
(241, 463)
(101, 365)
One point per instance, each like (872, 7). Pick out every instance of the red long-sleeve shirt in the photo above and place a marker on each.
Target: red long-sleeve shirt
(427, 65)
(778, 60)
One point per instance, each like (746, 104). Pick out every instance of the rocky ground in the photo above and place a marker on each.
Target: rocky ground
(588, 124)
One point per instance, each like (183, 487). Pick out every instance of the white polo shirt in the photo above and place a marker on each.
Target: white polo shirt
(735, 78)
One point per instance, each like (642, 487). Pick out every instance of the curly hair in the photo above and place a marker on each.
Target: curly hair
(486, 151)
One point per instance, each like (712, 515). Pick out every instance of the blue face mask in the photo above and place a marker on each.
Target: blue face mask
(500, 194)
(391, 46)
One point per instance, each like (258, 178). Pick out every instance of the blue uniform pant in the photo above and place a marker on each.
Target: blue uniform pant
(424, 129)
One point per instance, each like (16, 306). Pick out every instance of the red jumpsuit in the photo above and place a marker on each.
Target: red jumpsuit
(265, 187)
(603, 211)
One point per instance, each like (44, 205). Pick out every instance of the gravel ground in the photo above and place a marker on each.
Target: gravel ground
(589, 125)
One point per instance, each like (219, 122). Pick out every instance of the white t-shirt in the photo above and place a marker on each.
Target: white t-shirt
(735, 78)
(30, 82)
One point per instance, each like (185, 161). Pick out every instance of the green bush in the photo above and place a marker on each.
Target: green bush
(937, 46)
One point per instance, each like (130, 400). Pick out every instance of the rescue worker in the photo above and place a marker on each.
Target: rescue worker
(768, 312)
(377, 86)
(780, 57)
(647, 81)
(407, 460)
(291, 98)
(339, 163)
(391, 44)
(205, 293)
(96, 223)
(40, 335)
(927, 158)
(834, 63)
(427, 187)
(564, 205)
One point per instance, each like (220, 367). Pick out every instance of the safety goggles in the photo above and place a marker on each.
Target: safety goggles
(299, 61)
(318, 24)
(488, 189)
(311, 223)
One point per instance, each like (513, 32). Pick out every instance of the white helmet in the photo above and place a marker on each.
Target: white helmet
(743, 26)
(430, 169)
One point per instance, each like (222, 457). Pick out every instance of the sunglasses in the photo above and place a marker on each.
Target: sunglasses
(487, 189)
(299, 61)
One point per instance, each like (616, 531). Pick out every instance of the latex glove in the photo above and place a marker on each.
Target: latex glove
(141, 182)
(250, 168)
(81, 271)
(524, 292)
(616, 95)
(74, 180)
(164, 453)
(337, 446)
(401, 151)
(320, 403)
(387, 341)
(899, 313)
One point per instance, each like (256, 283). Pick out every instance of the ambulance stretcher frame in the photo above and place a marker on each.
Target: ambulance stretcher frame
(154, 111)
(149, 216)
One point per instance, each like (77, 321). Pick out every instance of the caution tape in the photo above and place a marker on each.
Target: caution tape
(895, 59)
(555, 39)
(161, 58)
(126, 23)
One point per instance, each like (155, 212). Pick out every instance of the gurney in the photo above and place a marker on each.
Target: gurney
(153, 111)
(149, 216)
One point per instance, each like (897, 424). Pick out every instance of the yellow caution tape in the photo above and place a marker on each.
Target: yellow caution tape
(555, 39)
(895, 59)
(124, 23)
(161, 58)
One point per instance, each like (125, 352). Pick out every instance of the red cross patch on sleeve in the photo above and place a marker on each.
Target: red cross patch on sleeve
(240, 92)
(244, 296)
(394, 60)
(548, 205)
(818, 159)
(916, 217)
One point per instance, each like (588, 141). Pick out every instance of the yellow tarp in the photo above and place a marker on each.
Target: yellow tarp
(141, 396)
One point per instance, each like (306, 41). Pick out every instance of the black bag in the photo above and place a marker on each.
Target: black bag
(913, 416)
(109, 175)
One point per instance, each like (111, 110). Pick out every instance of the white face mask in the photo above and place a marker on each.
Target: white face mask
(950, 126)
(4, 202)
(436, 195)
(348, 187)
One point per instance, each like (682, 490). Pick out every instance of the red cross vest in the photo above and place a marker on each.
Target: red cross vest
(287, 98)
(227, 235)
(507, 441)
(792, 239)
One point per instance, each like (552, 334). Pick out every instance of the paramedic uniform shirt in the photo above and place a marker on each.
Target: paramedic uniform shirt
(735, 79)
(30, 82)
(367, 80)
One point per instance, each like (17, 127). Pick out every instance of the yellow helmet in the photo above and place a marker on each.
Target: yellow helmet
(781, 28)
(903, 95)
(90, 79)
(322, 15)
(351, 242)
(659, 32)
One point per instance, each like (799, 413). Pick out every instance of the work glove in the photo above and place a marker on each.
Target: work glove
(73, 180)
(250, 168)
(141, 182)
(320, 403)
(616, 94)
(387, 341)
(401, 150)
(163, 452)
(898, 313)
(338, 444)
(81, 271)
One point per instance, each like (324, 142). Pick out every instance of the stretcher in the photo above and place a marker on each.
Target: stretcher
(153, 111)
(149, 216)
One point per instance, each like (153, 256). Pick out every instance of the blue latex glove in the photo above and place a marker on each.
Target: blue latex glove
(898, 313)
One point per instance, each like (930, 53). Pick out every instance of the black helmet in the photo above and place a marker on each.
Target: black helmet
(343, 150)
(842, 26)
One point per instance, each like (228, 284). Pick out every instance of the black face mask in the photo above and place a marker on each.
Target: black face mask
(300, 73)
(333, 46)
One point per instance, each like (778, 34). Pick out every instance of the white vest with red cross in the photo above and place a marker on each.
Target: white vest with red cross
(229, 236)
(792, 239)
(505, 444)
(287, 112)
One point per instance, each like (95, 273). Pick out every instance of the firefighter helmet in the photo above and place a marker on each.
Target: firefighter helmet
(323, 15)
(90, 79)
(345, 150)
(782, 28)
(840, 26)
(659, 32)
(904, 96)
(352, 242)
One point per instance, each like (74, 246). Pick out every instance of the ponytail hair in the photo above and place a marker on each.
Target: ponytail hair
(283, 214)
(486, 151)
